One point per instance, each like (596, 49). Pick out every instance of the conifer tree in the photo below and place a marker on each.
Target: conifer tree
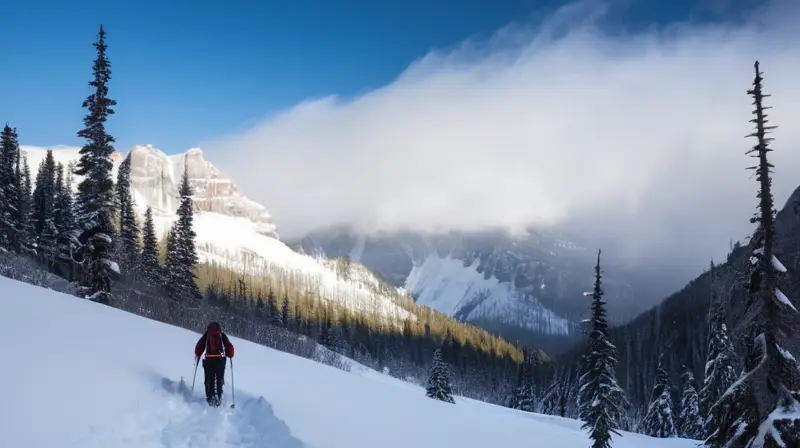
(95, 198)
(43, 212)
(325, 337)
(151, 269)
(171, 262)
(285, 316)
(9, 189)
(273, 313)
(128, 241)
(720, 371)
(64, 217)
(762, 408)
(182, 257)
(659, 421)
(25, 234)
(523, 396)
(602, 400)
(690, 424)
(438, 386)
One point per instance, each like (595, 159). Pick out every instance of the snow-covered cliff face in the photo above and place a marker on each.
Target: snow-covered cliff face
(153, 179)
(527, 286)
(156, 177)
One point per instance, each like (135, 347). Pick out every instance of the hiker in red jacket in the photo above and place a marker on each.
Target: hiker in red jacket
(217, 346)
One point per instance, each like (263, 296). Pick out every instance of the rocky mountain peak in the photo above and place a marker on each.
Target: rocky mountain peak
(155, 177)
(214, 191)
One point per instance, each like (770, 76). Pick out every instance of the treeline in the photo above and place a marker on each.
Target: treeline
(733, 327)
(95, 240)
(306, 295)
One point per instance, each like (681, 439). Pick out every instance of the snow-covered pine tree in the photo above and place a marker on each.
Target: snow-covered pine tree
(524, 399)
(438, 386)
(151, 269)
(43, 213)
(273, 312)
(171, 262)
(128, 241)
(762, 409)
(64, 216)
(720, 374)
(659, 421)
(9, 189)
(25, 233)
(602, 399)
(720, 369)
(182, 258)
(95, 198)
(690, 424)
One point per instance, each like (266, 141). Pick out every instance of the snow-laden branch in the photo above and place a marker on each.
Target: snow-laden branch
(783, 299)
(778, 265)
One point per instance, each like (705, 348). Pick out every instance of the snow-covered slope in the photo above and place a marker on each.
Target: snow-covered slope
(85, 375)
(445, 284)
(526, 287)
(231, 229)
(234, 242)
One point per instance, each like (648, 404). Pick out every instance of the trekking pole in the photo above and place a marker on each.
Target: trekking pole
(196, 362)
(233, 394)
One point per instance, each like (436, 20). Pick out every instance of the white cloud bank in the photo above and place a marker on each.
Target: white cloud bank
(637, 137)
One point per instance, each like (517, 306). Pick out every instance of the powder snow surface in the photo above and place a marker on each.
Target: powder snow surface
(86, 375)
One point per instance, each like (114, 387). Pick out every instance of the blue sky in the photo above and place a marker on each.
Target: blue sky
(189, 71)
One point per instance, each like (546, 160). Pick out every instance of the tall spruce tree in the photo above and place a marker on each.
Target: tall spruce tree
(182, 257)
(95, 198)
(601, 398)
(690, 424)
(659, 421)
(9, 189)
(151, 269)
(43, 212)
(128, 241)
(439, 387)
(762, 408)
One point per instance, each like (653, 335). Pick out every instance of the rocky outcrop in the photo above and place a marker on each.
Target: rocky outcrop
(215, 192)
(155, 178)
(154, 181)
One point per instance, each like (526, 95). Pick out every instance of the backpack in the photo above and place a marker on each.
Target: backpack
(214, 345)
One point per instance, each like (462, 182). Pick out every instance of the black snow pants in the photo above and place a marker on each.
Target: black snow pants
(215, 377)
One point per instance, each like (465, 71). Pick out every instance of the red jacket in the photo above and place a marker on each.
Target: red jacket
(203, 345)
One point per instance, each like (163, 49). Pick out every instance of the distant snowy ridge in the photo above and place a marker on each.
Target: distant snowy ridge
(231, 228)
(449, 286)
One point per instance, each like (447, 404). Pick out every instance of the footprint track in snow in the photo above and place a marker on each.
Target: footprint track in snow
(186, 421)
